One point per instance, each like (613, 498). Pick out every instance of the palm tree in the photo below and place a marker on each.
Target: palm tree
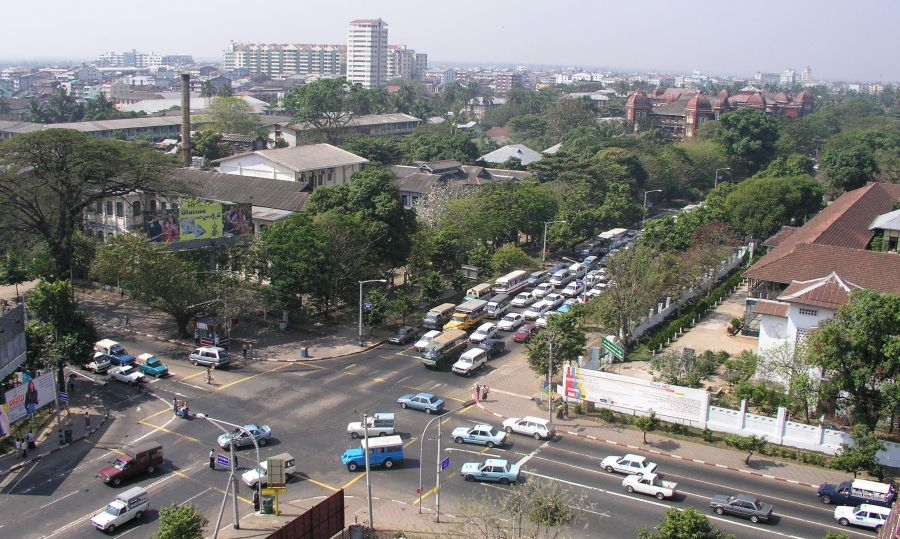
(35, 112)
(206, 89)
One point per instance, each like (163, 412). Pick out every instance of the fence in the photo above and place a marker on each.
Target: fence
(322, 521)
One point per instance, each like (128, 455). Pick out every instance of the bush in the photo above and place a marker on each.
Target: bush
(607, 415)
(707, 435)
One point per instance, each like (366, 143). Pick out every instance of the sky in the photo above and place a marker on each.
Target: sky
(838, 39)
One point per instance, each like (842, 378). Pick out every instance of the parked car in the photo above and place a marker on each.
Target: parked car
(524, 333)
(100, 364)
(426, 402)
(380, 424)
(251, 478)
(403, 335)
(537, 428)
(131, 504)
(555, 300)
(493, 347)
(596, 290)
(864, 514)
(523, 299)
(856, 492)
(650, 484)
(510, 322)
(542, 290)
(742, 505)
(542, 321)
(485, 435)
(470, 362)
(133, 461)
(499, 470)
(210, 356)
(150, 365)
(484, 331)
(537, 277)
(241, 438)
(573, 289)
(537, 310)
(127, 374)
(425, 340)
(629, 464)
(567, 306)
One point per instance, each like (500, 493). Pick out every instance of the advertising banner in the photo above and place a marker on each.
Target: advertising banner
(162, 226)
(4, 421)
(627, 393)
(200, 219)
(34, 393)
(236, 220)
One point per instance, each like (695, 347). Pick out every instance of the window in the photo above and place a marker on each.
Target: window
(809, 312)
(136, 209)
(109, 207)
(162, 206)
(153, 205)
(120, 209)
(99, 208)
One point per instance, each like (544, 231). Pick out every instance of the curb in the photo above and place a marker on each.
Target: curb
(36, 458)
(311, 359)
(672, 455)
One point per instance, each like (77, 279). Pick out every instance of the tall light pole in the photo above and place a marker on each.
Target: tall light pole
(550, 381)
(232, 478)
(464, 406)
(716, 184)
(361, 283)
(544, 250)
(365, 422)
(644, 207)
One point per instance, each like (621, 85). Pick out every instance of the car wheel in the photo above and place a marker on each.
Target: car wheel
(504, 481)
(490, 445)
(352, 466)
(629, 489)
(194, 362)
(111, 528)
(263, 442)
(382, 433)
(660, 496)
(878, 527)
(151, 469)
(388, 463)
(402, 405)
(458, 440)
(354, 435)
(116, 482)
(470, 477)
(826, 499)
(428, 411)
(139, 515)
(754, 519)
(536, 436)
(720, 511)
(844, 522)
(609, 469)
(507, 429)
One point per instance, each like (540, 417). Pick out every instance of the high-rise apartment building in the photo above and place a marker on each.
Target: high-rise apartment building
(401, 62)
(367, 51)
(788, 77)
(806, 74)
(286, 59)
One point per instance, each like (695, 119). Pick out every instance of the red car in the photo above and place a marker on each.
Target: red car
(524, 333)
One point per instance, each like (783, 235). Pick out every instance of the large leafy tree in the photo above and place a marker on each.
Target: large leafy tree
(859, 351)
(49, 178)
(760, 206)
(183, 521)
(230, 115)
(208, 145)
(861, 455)
(384, 151)
(297, 253)
(849, 168)
(749, 138)
(568, 338)
(326, 105)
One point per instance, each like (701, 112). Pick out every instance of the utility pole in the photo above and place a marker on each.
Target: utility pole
(550, 382)
(644, 207)
(437, 481)
(361, 283)
(365, 419)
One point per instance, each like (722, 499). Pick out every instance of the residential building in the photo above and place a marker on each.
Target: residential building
(806, 74)
(788, 77)
(477, 107)
(887, 227)
(506, 81)
(313, 165)
(512, 151)
(284, 127)
(421, 65)
(415, 182)
(367, 46)
(280, 60)
(156, 127)
(403, 63)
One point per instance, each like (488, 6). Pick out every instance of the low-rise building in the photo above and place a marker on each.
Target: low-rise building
(512, 151)
(313, 165)
(376, 125)
(415, 182)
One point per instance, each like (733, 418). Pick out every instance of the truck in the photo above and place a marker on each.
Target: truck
(651, 484)
(445, 349)
(383, 451)
(133, 461)
(856, 492)
(467, 315)
(131, 504)
(497, 305)
(380, 424)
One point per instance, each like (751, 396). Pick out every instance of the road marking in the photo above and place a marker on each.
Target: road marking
(348, 367)
(529, 456)
(157, 427)
(196, 496)
(323, 485)
(278, 368)
(354, 480)
(161, 412)
(201, 388)
(425, 495)
(60, 499)
(491, 455)
(403, 379)
(435, 386)
(410, 442)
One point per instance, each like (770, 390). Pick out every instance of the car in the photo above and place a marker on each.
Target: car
(524, 333)
(132, 461)
(537, 428)
(555, 300)
(426, 402)
(542, 321)
(542, 290)
(857, 491)
(510, 322)
(864, 514)
(128, 505)
(150, 365)
(245, 436)
(573, 289)
(211, 356)
(128, 374)
(537, 310)
(589, 261)
(493, 347)
(597, 289)
(115, 351)
(380, 424)
(523, 299)
(251, 478)
(484, 331)
(403, 335)
(485, 435)
(651, 484)
(567, 306)
(499, 470)
(629, 464)
(742, 505)
(470, 361)
(425, 340)
(100, 364)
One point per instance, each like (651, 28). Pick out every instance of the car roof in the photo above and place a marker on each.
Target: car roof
(483, 426)
(632, 456)
(874, 508)
(146, 356)
(106, 343)
(746, 498)
(432, 333)
(251, 426)
(426, 395)
(384, 415)
(533, 419)
(217, 348)
(472, 353)
(487, 325)
(383, 441)
(496, 462)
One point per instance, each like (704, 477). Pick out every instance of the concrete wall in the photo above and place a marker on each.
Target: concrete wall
(257, 166)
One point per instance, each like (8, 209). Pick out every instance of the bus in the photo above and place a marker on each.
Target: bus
(612, 239)
(512, 283)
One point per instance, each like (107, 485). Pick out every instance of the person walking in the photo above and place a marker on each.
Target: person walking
(29, 439)
(174, 405)
(197, 337)
(209, 378)
(126, 321)
(477, 392)
(87, 422)
(212, 459)
(484, 392)
(256, 500)
(18, 448)
(24, 449)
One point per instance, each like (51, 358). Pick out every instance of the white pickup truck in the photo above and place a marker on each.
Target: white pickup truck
(127, 374)
(380, 424)
(650, 484)
(131, 504)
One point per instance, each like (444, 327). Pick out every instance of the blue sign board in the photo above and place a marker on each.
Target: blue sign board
(222, 460)
(368, 305)
(445, 463)
(63, 396)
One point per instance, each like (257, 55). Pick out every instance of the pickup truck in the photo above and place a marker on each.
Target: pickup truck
(127, 374)
(650, 484)
(856, 492)
(380, 424)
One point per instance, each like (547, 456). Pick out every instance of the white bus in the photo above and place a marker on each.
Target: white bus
(511, 283)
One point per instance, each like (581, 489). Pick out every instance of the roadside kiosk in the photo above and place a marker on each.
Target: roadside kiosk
(276, 484)
(213, 332)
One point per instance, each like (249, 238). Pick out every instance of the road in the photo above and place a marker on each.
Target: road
(308, 406)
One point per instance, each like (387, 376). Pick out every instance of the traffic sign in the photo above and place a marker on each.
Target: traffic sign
(63, 396)
(368, 305)
(222, 460)
(445, 463)
(579, 282)
(613, 348)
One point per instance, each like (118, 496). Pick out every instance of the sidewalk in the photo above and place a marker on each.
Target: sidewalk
(513, 389)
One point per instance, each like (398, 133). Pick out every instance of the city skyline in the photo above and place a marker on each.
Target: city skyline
(840, 41)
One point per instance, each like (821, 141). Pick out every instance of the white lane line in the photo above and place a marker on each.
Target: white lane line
(435, 386)
(60, 499)
(196, 496)
(528, 457)
(403, 379)
(479, 453)
(348, 367)
(201, 388)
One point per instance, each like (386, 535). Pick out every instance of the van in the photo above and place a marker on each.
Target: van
(577, 270)
(537, 277)
(497, 306)
(211, 356)
(133, 461)
(438, 316)
(560, 279)
(131, 504)
(479, 291)
(467, 315)
(445, 349)
(864, 514)
(856, 492)
(383, 451)
(590, 261)
(251, 478)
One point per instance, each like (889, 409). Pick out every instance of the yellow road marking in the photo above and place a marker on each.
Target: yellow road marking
(181, 474)
(409, 443)
(323, 485)
(354, 480)
(156, 414)
(157, 427)
(427, 494)
(278, 368)
(485, 450)
(196, 374)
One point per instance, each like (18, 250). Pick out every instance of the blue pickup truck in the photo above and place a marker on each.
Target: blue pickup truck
(856, 492)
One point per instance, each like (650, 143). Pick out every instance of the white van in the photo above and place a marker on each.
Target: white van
(577, 270)
(211, 356)
(864, 514)
(131, 504)
(560, 279)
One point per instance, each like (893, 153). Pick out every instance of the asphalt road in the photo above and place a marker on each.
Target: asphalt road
(308, 406)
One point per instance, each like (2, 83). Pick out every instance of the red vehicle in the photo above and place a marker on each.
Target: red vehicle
(524, 333)
(133, 461)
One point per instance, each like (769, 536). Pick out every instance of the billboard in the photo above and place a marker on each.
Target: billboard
(634, 394)
(34, 393)
(4, 420)
(12, 341)
(198, 219)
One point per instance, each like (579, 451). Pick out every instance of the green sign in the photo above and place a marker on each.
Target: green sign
(613, 348)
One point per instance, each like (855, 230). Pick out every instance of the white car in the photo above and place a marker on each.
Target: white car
(537, 428)
(542, 321)
(573, 289)
(555, 300)
(523, 299)
(127, 374)
(537, 310)
(425, 340)
(251, 478)
(470, 361)
(510, 322)
(598, 289)
(485, 331)
(542, 290)
(864, 514)
(629, 464)
(651, 484)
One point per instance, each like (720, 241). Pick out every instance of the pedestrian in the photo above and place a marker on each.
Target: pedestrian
(175, 405)
(212, 459)
(87, 422)
(197, 337)
(18, 448)
(256, 500)
(121, 292)
(29, 438)
(126, 321)
(209, 378)
(250, 350)
(477, 392)
(245, 350)
(24, 449)
(484, 392)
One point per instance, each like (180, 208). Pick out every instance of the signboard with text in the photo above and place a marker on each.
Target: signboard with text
(32, 394)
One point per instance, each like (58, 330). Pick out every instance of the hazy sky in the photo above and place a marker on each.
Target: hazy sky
(839, 39)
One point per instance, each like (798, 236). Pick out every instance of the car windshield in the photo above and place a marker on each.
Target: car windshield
(465, 360)
(432, 399)
(112, 510)
(120, 464)
(128, 370)
(153, 362)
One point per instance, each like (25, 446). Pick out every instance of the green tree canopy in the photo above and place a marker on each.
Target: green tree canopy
(687, 524)
(861, 455)
(183, 521)
(849, 168)
(230, 115)
(568, 339)
(760, 206)
(325, 104)
(749, 138)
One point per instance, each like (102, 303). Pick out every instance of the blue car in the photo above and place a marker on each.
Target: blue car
(485, 435)
(426, 402)
(566, 306)
(499, 470)
(148, 364)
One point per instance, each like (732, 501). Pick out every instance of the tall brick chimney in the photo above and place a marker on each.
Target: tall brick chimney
(186, 118)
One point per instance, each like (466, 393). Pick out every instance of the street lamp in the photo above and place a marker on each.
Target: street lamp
(716, 184)
(644, 207)
(550, 381)
(365, 422)
(437, 484)
(233, 478)
(544, 251)
(361, 283)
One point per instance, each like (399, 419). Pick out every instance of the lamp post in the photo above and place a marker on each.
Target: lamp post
(644, 207)
(716, 184)
(544, 251)
(232, 478)
(550, 381)
(365, 422)
(361, 283)
(465, 405)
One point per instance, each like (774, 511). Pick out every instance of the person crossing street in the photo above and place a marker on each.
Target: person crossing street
(212, 459)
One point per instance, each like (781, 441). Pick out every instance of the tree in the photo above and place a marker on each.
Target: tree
(183, 521)
(749, 137)
(377, 314)
(296, 251)
(49, 178)
(208, 145)
(861, 455)
(403, 305)
(647, 423)
(480, 257)
(509, 258)
(568, 340)
(677, 369)
(859, 351)
(348, 260)
(793, 165)
(431, 287)
(750, 444)
(760, 206)
(231, 115)
(384, 151)
(687, 524)
(849, 168)
(324, 104)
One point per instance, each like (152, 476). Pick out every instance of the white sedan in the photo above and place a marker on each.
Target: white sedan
(523, 299)
(510, 322)
(484, 332)
(629, 464)
(555, 300)
(542, 290)
(127, 374)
